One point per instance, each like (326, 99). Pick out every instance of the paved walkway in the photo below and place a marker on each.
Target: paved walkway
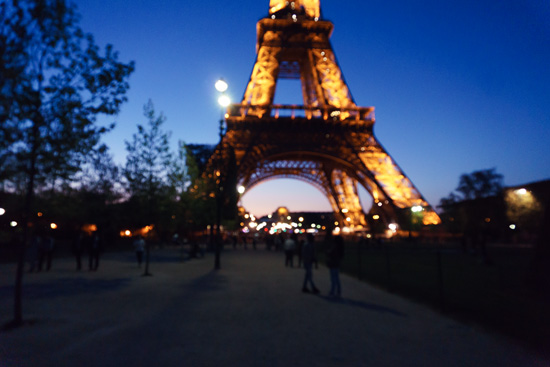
(250, 313)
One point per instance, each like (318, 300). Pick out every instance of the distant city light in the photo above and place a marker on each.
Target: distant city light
(13, 223)
(392, 227)
(39, 214)
(241, 189)
(521, 191)
(2, 211)
(512, 226)
(53, 226)
(376, 217)
(416, 209)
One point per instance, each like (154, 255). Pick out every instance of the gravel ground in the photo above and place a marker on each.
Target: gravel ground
(250, 313)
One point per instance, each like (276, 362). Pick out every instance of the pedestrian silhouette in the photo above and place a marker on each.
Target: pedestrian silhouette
(308, 256)
(94, 251)
(33, 254)
(78, 245)
(139, 247)
(335, 255)
(290, 247)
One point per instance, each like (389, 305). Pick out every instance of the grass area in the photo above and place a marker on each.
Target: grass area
(497, 297)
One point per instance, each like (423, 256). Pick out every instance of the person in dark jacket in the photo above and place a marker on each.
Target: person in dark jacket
(308, 256)
(94, 251)
(335, 255)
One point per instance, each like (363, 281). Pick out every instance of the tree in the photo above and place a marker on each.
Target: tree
(202, 190)
(147, 168)
(475, 208)
(479, 184)
(54, 82)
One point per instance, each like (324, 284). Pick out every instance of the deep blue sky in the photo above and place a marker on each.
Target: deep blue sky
(458, 86)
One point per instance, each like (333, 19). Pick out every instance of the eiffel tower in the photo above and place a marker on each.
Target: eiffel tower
(328, 141)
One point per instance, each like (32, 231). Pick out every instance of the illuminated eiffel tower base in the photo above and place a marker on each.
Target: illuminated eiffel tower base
(328, 141)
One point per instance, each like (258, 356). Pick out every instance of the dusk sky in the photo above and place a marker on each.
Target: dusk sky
(458, 86)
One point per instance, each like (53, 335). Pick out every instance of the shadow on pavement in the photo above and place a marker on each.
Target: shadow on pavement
(210, 282)
(364, 305)
(67, 287)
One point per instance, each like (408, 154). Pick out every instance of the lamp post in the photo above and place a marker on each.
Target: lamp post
(223, 101)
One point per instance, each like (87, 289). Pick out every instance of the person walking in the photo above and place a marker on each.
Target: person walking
(94, 250)
(299, 246)
(308, 256)
(77, 249)
(290, 246)
(139, 247)
(335, 255)
(33, 254)
(48, 251)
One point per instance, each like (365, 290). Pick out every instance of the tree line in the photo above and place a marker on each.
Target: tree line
(55, 82)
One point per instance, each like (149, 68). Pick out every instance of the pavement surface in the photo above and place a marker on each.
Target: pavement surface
(250, 313)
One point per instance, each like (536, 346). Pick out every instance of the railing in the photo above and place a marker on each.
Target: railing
(293, 111)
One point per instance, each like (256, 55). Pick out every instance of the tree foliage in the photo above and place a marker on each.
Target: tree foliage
(149, 156)
(479, 184)
(54, 82)
(147, 169)
(475, 209)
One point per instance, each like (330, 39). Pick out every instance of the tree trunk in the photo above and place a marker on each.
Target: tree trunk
(27, 219)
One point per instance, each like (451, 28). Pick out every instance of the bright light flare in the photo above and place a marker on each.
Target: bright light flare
(521, 191)
(221, 85)
(224, 101)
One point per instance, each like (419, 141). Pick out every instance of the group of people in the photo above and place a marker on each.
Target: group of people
(91, 244)
(41, 253)
(307, 257)
(41, 250)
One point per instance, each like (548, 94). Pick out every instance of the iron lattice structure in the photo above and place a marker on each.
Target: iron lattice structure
(328, 141)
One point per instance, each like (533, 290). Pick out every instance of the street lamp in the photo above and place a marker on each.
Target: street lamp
(224, 101)
(221, 85)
